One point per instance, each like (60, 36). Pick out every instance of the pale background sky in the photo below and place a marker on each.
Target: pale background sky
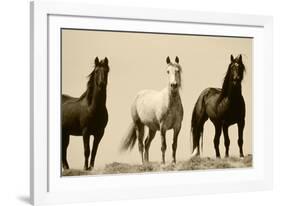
(138, 61)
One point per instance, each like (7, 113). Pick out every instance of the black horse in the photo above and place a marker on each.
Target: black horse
(86, 115)
(224, 107)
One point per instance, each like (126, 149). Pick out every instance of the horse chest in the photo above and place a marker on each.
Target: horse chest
(234, 112)
(94, 120)
(172, 116)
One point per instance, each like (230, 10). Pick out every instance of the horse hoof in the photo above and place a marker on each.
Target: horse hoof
(194, 156)
(162, 166)
(90, 168)
(65, 167)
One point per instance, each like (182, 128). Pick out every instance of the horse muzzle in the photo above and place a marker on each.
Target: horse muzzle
(174, 85)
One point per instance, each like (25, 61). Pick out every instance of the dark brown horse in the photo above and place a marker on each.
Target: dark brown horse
(86, 115)
(224, 107)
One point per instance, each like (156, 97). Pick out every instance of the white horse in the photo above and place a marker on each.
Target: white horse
(158, 110)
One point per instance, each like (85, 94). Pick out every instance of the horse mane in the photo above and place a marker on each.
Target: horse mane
(90, 88)
(180, 71)
(91, 85)
(226, 80)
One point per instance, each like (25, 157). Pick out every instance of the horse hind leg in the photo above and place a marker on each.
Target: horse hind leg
(226, 140)
(217, 139)
(140, 134)
(65, 143)
(163, 144)
(148, 140)
(86, 143)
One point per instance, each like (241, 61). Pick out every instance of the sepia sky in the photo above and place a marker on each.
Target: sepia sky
(138, 61)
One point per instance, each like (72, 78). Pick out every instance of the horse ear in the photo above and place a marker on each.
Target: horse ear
(106, 61)
(177, 60)
(96, 61)
(231, 58)
(240, 58)
(168, 60)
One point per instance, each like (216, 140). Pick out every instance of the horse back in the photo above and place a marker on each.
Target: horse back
(65, 98)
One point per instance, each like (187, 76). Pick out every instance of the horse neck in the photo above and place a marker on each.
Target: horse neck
(172, 96)
(98, 99)
(233, 93)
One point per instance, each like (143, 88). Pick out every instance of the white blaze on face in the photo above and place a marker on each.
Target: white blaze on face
(172, 75)
(174, 79)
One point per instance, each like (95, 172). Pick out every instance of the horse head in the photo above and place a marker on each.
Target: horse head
(97, 78)
(236, 70)
(100, 74)
(174, 72)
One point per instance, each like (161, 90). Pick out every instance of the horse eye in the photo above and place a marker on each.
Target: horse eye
(168, 71)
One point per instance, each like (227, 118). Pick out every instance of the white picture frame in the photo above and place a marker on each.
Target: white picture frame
(46, 184)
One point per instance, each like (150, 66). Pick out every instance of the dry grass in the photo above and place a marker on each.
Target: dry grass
(191, 164)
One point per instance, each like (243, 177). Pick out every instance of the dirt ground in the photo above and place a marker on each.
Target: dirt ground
(191, 164)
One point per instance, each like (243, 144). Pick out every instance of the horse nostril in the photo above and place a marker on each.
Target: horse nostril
(174, 85)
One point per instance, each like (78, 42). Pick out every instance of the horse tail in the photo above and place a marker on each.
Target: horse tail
(197, 122)
(130, 138)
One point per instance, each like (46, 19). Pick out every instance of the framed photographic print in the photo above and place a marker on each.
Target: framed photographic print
(133, 103)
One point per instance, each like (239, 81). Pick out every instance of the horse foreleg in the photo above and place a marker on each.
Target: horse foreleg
(97, 139)
(147, 143)
(226, 140)
(86, 142)
(163, 144)
(65, 143)
(241, 125)
(175, 143)
(217, 140)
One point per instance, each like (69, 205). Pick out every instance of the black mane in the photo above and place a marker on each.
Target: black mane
(91, 82)
(90, 87)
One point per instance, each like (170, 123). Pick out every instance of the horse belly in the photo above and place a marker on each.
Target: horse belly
(150, 120)
(152, 125)
(72, 127)
(146, 113)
